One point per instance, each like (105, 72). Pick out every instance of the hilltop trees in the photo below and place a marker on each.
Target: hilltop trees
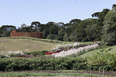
(96, 25)
(109, 28)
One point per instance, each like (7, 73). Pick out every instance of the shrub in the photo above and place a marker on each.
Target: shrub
(2, 56)
(14, 55)
(43, 63)
(36, 53)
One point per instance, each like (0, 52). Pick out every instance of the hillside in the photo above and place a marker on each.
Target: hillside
(113, 50)
(24, 45)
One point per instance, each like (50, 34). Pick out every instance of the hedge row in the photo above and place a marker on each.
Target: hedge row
(42, 63)
(43, 40)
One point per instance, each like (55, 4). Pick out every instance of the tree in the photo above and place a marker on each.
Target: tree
(74, 21)
(45, 32)
(73, 36)
(101, 58)
(109, 28)
(80, 30)
(60, 24)
(61, 34)
(68, 29)
(91, 30)
(53, 28)
(114, 5)
(96, 14)
(65, 38)
(98, 24)
(6, 29)
(35, 24)
(51, 36)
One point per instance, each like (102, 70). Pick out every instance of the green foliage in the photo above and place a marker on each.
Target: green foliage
(36, 53)
(6, 29)
(43, 63)
(109, 33)
(74, 36)
(2, 56)
(103, 58)
(14, 55)
(51, 36)
(111, 60)
(66, 38)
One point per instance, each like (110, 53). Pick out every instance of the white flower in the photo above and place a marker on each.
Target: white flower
(27, 50)
(74, 51)
(7, 55)
(56, 47)
(2, 53)
(16, 52)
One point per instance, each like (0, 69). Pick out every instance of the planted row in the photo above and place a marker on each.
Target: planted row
(42, 63)
(75, 51)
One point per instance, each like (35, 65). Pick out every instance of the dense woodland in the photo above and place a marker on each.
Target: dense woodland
(102, 26)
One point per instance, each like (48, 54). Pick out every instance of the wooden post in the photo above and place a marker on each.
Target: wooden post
(103, 71)
(99, 71)
(90, 71)
(112, 72)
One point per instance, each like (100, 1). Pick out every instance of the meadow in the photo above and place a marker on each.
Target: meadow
(24, 45)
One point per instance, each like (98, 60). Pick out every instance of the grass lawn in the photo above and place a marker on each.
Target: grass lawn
(23, 45)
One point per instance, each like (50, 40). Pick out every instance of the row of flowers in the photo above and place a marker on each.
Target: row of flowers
(56, 47)
(75, 51)
(15, 52)
(11, 52)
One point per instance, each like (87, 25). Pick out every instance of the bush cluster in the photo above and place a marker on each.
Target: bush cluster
(2, 56)
(42, 63)
(35, 53)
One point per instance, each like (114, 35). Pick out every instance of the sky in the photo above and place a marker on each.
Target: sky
(17, 12)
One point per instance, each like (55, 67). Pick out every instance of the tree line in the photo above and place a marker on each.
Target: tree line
(102, 26)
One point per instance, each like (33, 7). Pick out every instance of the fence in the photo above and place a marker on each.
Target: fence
(27, 34)
(106, 73)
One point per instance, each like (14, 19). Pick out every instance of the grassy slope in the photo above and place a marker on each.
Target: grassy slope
(24, 44)
(113, 50)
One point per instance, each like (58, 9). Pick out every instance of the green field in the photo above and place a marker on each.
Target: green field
(23, 45)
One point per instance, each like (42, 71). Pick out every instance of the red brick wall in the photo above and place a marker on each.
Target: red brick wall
(27, 34)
